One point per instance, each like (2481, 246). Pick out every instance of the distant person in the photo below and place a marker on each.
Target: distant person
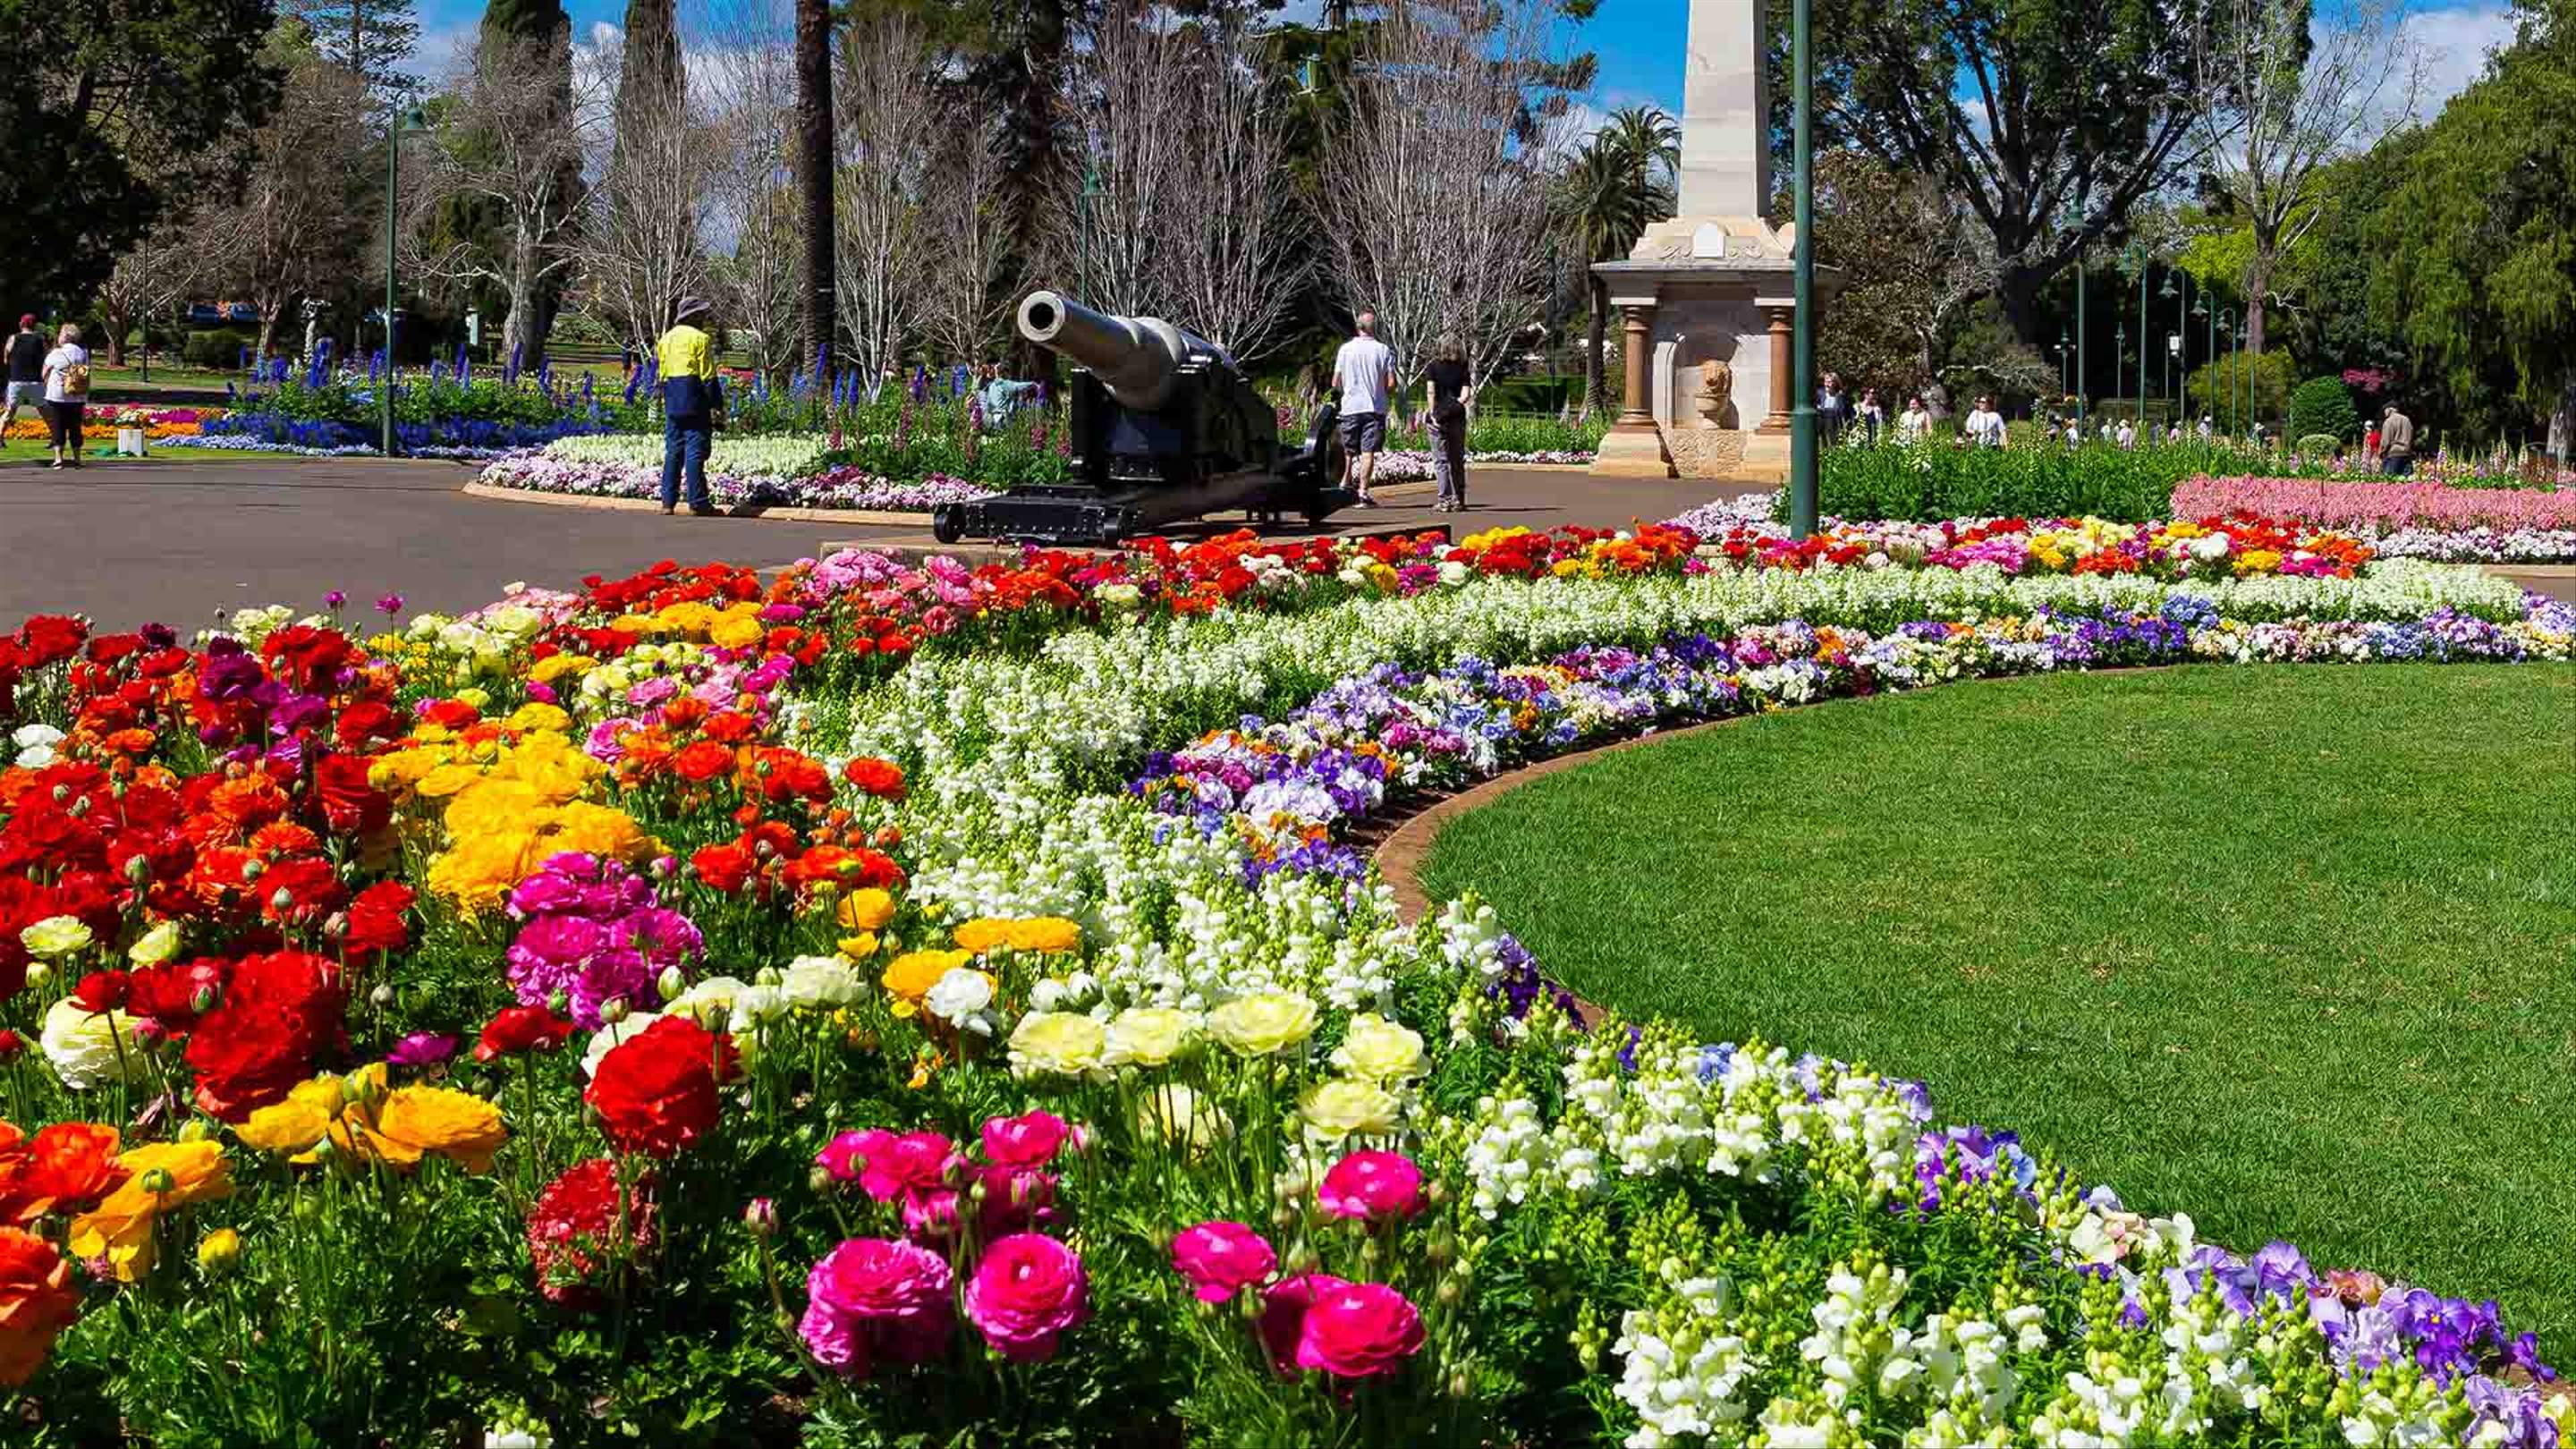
(1833, 408)
(691, 396)
(2128, 435)
(66, 396)
(1364, 375)
(1915, 423)
(2396, 443)
(1002, 396)
(1985, 425)
(2208, 427)
(2370, 446)
(1445, 382)
(26, 370)
(1872, 415)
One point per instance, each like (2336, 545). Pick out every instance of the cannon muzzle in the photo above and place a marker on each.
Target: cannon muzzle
(1133, 357)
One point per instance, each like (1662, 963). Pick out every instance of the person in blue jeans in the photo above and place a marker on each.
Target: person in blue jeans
(691, 396)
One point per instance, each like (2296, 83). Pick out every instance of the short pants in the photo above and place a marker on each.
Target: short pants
(1363, 432)
(26, 394)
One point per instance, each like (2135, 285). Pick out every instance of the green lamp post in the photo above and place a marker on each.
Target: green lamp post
(402, 121)
(1803, 503)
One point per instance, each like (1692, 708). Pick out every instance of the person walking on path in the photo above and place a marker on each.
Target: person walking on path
(1915, 423)
(1364, 374)
(691, 397)
(1872, 415)
(1985, 425)
(1445, 383)
(2396, 443)
(66, 396)
(1833, 409)
(26, 371)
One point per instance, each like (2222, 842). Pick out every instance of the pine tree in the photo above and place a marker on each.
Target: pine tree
(372, 37)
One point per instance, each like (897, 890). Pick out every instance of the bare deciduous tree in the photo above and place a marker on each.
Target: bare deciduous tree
(973, 246)
(2300, 90)
(1437, 207)
(151, 281)
(639, 250)
(748, 73)
(889, 131)
(1136, 137)
(300, 224)
(507, 155)
(1233, 245)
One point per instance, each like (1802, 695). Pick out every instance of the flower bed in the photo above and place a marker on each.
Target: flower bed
(845, 487)
(832, 962)
(101, 424)
(2499, 517)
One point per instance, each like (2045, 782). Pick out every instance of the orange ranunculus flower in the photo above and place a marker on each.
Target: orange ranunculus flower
(986, 934)
(702, 760)
(37, 1302)
(683, 712)
(416, 1120)
(119, 1229)
(68, 1166)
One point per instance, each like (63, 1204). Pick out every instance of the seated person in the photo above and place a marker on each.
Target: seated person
(1002, 396)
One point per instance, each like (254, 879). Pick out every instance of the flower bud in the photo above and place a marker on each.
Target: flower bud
(196, 1129)
(671, 983)
(159, 1181)
(204, 1000)
(80, 807)
(760, 1215)
(819, 1178)
(62, 793)
(138, 869)
(220, 1250)
(613, 1010)
(38, 973)
(1448, 1293)
(1459, 1385)
(382, 996)
(253, 870)
(281, 900)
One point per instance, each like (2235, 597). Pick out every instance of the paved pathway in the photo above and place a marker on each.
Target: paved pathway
(133, 542)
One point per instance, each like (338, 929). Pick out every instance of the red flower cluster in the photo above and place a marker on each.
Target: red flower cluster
(655, 1093)
(522, 1029)
(769, 856)
(65, 1168)
(574, 1234)
(278, 1013)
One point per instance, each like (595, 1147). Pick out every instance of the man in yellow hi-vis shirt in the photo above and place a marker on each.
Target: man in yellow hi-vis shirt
(691, 393)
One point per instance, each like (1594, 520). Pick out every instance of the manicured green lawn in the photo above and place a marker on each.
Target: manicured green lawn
(2290, 949)
(17, 454)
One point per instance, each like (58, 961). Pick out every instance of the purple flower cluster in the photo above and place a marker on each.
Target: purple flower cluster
(592, 931)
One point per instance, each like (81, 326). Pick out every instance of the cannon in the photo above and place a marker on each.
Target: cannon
(1164, 428)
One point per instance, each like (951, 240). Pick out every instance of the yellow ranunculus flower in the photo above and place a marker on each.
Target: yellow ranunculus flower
(156, 945)
(1380, 1050)
(1174, 1113)
(55, 936)
(290, 1128)
(418, 1120)
(448, 779)
(536, 714)
(911, 975)
(220, 1250)
(739, 632)
(1062, 1042)
(1050, 934)
(1150, 1036)
(556, 666)
(864, 910)
(600, 830)
(119, 1229)
(1263, 1024)
(859, 947)
(1337, 1108)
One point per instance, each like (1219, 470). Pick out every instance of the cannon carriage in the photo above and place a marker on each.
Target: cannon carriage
(1164, 428)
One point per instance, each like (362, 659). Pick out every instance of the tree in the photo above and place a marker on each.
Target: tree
(2480, 238)
(2050, 120)
(1235, 248)
(1130, 149)
(151, 282)
(1618, 185)
(508, 156)
(815, 166)
(749, 66)
(2300, 90)
(372, 38)
(888, 132)
(134, 107)
(638, 250)
(1909, 260)
(1437, 206)
(301, 222)
(966, 214)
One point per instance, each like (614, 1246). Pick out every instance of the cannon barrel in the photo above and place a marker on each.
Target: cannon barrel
(1133, 357)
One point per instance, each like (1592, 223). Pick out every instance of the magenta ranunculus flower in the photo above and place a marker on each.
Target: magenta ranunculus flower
(1357, 1330)
(1283, 1315)
(422, 1049)
(874, 1296)
(1028, 1291)
(887, 1166)
(1028, 1140)
(1220, 1257)
(1374, 1185)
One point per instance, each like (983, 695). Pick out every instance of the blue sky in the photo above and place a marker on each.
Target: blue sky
(1640, 43)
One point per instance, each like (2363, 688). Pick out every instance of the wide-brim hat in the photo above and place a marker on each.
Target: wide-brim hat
(689, 309)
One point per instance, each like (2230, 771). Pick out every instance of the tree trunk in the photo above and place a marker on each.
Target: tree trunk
(267, 331)
(814, 162)
(2258, 280)
(118, 320)
(522, 334)
(1596, 393)
(2017, 290)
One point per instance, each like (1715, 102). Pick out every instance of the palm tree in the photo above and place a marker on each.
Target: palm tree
(1618, 185)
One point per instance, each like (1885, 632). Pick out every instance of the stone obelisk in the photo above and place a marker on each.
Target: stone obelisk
(1714, 283)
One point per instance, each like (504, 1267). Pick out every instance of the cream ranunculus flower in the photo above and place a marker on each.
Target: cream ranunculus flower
(1380, 1050)
(1174, 1113)
(959, 994)
(1263, 1024)
(1150, 1036)
(56, 936)
(1061, 1042)
(821, 981)
(156, 946)
(92, 1049)
(1338, 1108)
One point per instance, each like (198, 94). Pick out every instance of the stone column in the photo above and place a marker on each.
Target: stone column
(1781, 401)
(1633, 390)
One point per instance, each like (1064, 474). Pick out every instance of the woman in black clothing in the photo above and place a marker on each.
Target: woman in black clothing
(1446, 378)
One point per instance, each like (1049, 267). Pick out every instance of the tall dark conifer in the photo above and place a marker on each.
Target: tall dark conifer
(814, 165)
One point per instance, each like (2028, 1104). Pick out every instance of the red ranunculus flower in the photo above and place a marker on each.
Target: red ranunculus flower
(881, 778)
(573, 1230)
(522, 1029)
(280, 1010)
(702, 760)
(350, 806)
(376, 917)
(656, 1092)
(725, 867)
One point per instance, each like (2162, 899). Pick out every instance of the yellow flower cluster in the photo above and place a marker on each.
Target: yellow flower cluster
(160, 1177)
(359, 1117)
(735, 626)
(510, 799)
(2059, 548)
(1047, 934)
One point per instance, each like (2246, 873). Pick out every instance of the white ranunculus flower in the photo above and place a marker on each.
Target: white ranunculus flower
(958, 994)
(92, 1049)
(35, 745)
(821, 981)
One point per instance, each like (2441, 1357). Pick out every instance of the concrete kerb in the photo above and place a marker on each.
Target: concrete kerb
(783, 514)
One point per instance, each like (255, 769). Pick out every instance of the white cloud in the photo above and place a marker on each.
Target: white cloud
(2454, 43)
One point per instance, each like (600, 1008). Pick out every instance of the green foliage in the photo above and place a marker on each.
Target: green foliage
(219, 348)
(141, 106)
(1905, 265)
(1934, 481)
(2218, 389)
(2323, 406)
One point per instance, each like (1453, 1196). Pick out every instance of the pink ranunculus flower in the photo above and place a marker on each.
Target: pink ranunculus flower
(1028, 1291)
(887, 1166)
(1373, 1185)
(874, 1296)
(1283, 1315)
(1016, 1199)
(1221, 1257)
(1028, 1140)
(1358, 1330)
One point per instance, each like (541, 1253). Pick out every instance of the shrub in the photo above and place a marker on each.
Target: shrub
(2038, 480)
(219, 348)
(2323, 405)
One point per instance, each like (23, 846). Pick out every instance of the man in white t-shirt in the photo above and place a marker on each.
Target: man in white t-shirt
(1364, 375)
(1985, 425)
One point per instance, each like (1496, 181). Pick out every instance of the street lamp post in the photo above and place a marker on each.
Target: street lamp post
(399, 120)
(2119, 359)
(2143, 335)
(2209, 351)
(1802, 361)
(2080, 388)
(2227, 329)
(2061, 364)
(2175, 356)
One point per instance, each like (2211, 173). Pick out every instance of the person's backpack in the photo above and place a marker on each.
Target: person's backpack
(76, 379)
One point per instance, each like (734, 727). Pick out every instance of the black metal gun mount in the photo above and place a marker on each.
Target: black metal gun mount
(1165, 428)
